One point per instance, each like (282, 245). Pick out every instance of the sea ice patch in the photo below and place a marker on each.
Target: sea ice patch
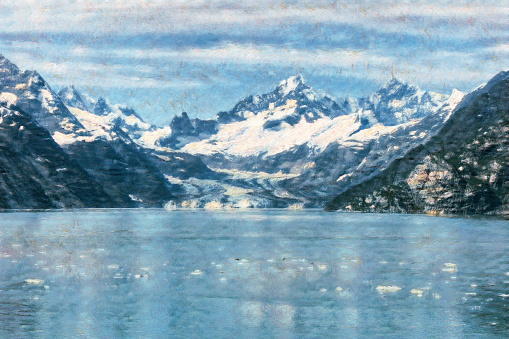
(382, 289)
(34, 281)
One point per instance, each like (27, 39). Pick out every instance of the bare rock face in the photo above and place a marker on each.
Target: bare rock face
(35, 173)
(464, 169)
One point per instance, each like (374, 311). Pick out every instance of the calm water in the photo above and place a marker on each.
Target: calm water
(252, 274)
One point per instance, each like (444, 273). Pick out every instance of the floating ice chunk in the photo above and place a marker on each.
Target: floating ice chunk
(339, 288)
(471, 293)
(34, 281)
(322, 267)
(383, 262)
(473, 285)
(417, 292)
(504, 295)
(323, 290)
(387, 288)
(197, 272)
(113, 267)
(449, 267)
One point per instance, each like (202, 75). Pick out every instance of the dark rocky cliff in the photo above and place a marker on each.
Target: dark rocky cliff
(36, 173)
(464, 169)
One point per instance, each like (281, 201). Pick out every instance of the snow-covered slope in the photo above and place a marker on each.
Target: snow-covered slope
(122, 116)
(105, 151)
(326, 146)
(131, 137)
(251, 136)
(294, 115)
(364, 154)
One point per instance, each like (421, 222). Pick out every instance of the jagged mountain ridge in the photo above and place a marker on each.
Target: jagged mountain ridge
(320, 147)
(105, 152)
(285, 147)
(293, 144)
(398, 102)
(464, 169)
(174, 166)
(309, 104)
(294, 104)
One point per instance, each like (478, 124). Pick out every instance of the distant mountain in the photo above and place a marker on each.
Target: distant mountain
(463, 169)
(309, 104)
(398, 102)
(315, 145)
(184, 130)
(126, 130)
(34, 96)
(72, 98)
(349, 161)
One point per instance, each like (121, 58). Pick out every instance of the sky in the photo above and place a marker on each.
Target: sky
(202, 57)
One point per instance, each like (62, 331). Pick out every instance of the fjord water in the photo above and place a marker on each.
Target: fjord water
(251, 274)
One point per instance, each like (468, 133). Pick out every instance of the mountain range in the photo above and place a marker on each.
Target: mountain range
(400, 149)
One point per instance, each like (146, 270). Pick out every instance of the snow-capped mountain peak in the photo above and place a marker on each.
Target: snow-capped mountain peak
(101, 107)
(397, 88)
(399, 102)
(72, 98)
(7, 68)
(292, 88)
(290, 84)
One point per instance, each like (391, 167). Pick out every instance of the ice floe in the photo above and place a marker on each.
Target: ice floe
(387, 288)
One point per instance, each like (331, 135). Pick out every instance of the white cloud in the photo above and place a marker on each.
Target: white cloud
(256, 54)
(135, 16)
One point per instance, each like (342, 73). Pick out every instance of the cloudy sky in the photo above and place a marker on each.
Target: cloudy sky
(165, 57)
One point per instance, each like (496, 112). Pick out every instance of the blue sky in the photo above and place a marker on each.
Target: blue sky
(165, 57)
